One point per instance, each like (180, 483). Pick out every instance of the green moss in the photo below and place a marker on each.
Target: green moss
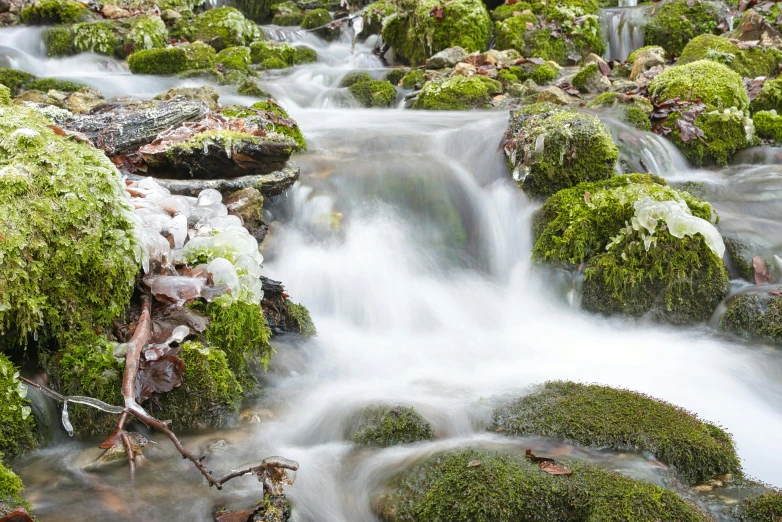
(173, 60)
(5, 95)
(382, 426)
(635, 113)
(58, 41)
(70, 252)
(454, 94)
(631, 58)
(506, 11)
(675, 23)
(540, 74)
(199, 56)
(96, 37)
(272, 55)
(375, 14)
(724, 133)
(394, 76)
(586, 72)
(758, 61)
(413, 78)
(762, 508)
(14, 79)
(354, 77)
(17, 426)
(11, 489)
(47, 84)
(301, 319)
(250, 87)
(569, 229)
(415, 35)
(769, 98)
(713, 83)
(740, 257)
(234, 58)
(209, 396)
(240, 331)
(303, 54)
(225, 25)
(768, 125)
(472, 486)
(577, 148)
(591, 415)
(288, 19)
(256, 10)
(316, 18)
(146, 32)
(373, 93)
(46, 12)
(756, 316)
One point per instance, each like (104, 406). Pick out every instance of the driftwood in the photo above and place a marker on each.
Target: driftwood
(269, 185)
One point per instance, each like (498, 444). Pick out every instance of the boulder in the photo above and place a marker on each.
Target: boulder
(373, 93)
(554, 95)
(113, 12)
(282, 314)
(593, 58)
(621, 85)
(457, 93)
(645, 60)
(769, 98)
(388, 426)
(676, 22)
(635, 110)
(446, 58)
(464, 69)
(753, 27)
(755, 315)
(206, 94)
(247, 203)
(749, 63)
(170, 16)
(591, 80)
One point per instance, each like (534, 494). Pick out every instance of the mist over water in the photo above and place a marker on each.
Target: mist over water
(410, 245)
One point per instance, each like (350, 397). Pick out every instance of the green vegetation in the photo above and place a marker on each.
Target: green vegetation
(48, 12)
(373, 93)
(762, 508)
(222, 27)
(70, 252)
(11, 488)
(756, 316)
(383, 426)
(96, 37)
(300, 317)
(354, 77)
(676, 23)
(769, 98)
(581, 77)
(413, 78)
(14, 79)
(234, 58)
(17, 426)
(58, 41)
(457, 94)
(415, 35)
(713, 83)
(751, 63)
(724, 133)
(472, 486)
(635, 112)
(540, 74)
(172, 60)
(395, 76)
(768, 125)
(577, 148)
(592, 415)
(47, 84)
(272, 55)
(318, 18)
(5, 95)
(256, 10)
(146, 32)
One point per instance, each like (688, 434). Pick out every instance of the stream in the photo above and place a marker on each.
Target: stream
(410, 245)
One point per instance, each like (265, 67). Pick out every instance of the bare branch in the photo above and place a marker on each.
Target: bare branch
(136, 345)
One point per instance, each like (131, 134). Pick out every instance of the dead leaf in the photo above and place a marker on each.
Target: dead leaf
(474, 463)
(761, 272)
(687, 131)
(17, 515)
(438, 12)
(57, 130)
(240, 515)
(531, 456)
(605, 70)
(112, 440)
(587, 195)
(553, 469)
(159, 376)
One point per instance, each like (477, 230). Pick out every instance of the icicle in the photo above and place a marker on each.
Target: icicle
(66, 422)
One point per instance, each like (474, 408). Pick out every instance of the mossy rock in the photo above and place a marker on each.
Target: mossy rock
(755, 316)
(47, 84)
(11, 489)
(751, 63)
(354, 77)
(513, 33)
(47, 12)
(769, 98)
(631, 57)
(300, 318)
(14, 79)
(474, 486)
(146, 32)
(576, 147)
(374, 16)
(394, 76)
(724, 134)
(17, 426)
(255, 10)
(768, 125)
(288, 19)
(58, 41)
(5, 95)
(383, 426)
(457, 94)
(600, 416)
(272, 55)
(414, 78)
(634, 111)
(761, 508)
(540, 74)
(415, 35)
(317, 18)
(70, 250)
(581, 79)
(173, 60)
(713, 83)
(373, 93)
(234, 59)
(675, 23)
(96, 37)
(223, 27)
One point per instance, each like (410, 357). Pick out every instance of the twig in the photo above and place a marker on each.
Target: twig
(126, 443)
(136, 344)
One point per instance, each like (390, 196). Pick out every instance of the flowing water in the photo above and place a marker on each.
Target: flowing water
(623, 28)
(410, 245)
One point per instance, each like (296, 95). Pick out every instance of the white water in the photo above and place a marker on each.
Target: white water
(623, 29)
(406, 314)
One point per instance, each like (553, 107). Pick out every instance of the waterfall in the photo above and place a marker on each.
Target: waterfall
(622, 29)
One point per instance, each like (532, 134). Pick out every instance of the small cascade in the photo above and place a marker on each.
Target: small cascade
(277, 33)
(645, 151)
(623, 29)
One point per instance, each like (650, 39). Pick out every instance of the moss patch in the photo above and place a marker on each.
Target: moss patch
(540, 74)
(762, 508)
(373, 93)
(146, 32)
(456, 94)
(47, 84)
(725, 132)
(472, 486)
(301, 319)
(58, 41)
(173, 60)
(713, 83)
(382, 426)
(769, 98)
(676, 23)
(96, 37)
(756, 316)
(5, 95)
(223, 27)
(271, 55)
(14, 79)
(17, 426)
(413, 78)
(550, 149)
(11, 489)
(758, 61)
(768, 125)
(47, 12)
(256, 10)
(234, 58)
(635, 111)
(592, 415)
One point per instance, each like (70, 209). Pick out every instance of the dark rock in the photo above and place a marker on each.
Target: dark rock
(282, 315)
(270, 185)
(247, 203)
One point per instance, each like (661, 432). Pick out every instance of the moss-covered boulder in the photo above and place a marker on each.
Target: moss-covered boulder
(11, 489)
(634, 110)
(222, 27)
(58, 41)
(17, 427)
(316, 19)
(751, 63)
(415, 35)
(648, 248)
(14, 79)
(299, 319)
(173, 60)
(592, 415)
(755, 316)
(354, 77)
(414, 79)
(769, 98)
(457, 94)
(70, 251)
(549, 149)
(234, 58)
(591, 80)
(256, 10)
(145, 32)
(48, 84)
(383, 426)
(373, 93)
(541, 74)
(768, 125)
(374, 16)
(96, 37)
(269, 111)
(45, 12)
(273, 55)
(476, 486)
(394, 76)
(677, 22)
(761, 508)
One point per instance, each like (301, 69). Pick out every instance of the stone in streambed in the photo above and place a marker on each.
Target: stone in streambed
(206, 94)
(591, 80)
(447, 58)
(270, 185)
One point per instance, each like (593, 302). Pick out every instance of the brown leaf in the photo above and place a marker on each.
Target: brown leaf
(531, 456)
(159, 376)
(240, 515)
(553, 469)
(438, 12)
(587, 195)
(474, 464)
(112, 440)
(57, 130)
(605, 70)
(761, 272)
(687, 131)
(17, 515)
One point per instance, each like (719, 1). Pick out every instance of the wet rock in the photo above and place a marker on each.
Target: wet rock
(593, 58)
(282, 315)
(447, 58)
(622, 85)
(120, 128)
(591, 80)
(113, 12)
(703, 488)
(464, 69)
(83, 101)
(270, 185)
(206, 94)
(384, 426)
(507, 56)
(170, 16)
(38, 97)
(117, 452)
(753, 27)
(645, 60)
(555, 95)
(247, 203)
